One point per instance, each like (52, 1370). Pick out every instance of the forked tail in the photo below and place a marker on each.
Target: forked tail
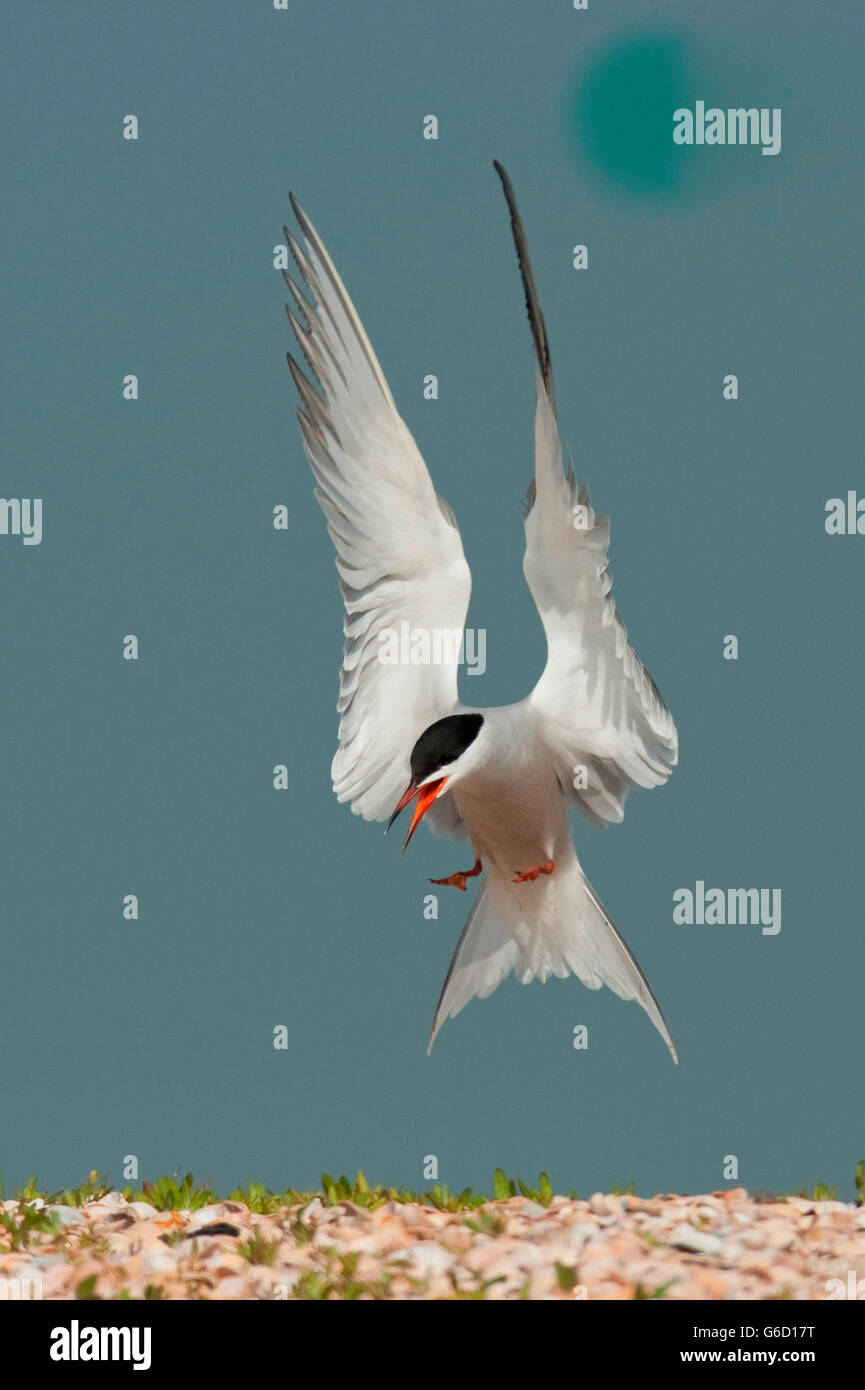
(556, 926)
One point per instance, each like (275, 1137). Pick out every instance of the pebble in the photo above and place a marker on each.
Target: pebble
(205, 1216)
(686, 1237)
(68, 1216)
(142, 1211)
(601, 1205)
(427, 1257)
(731, 1253)
(530, 1208)
(111, 1199)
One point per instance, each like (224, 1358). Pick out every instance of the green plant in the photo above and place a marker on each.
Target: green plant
(487, 1223)
(22, 1225)
(258, 1249)
(566, 1278)
(92, 1190)
(504, 1187)
(477, 1294)
(641, 1293)
(342, 1283)
(819, 1193)
(97, 1245)
(166, 1194)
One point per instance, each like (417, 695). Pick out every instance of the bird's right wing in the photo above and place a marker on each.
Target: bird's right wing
(402, 570)
(596, 706)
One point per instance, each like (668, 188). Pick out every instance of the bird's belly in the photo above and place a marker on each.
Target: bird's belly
(515, 828)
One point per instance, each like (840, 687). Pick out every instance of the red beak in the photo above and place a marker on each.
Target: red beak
(426, 795)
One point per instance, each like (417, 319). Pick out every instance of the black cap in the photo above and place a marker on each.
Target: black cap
(442, 743)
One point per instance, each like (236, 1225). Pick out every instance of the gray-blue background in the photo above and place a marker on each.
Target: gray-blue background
(261, 908)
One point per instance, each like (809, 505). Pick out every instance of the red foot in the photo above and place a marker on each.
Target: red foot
(458, 880)
(531, 874)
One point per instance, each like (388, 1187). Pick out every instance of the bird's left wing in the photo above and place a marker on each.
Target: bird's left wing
(404, 578)
(596, 706)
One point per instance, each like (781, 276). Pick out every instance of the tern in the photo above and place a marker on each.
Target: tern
(593, 727)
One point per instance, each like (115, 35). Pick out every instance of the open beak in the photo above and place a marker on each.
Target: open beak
(426, 795)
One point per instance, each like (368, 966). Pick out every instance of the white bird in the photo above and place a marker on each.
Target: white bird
(595, 724)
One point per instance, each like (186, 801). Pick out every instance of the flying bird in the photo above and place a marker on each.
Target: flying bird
(592, 728)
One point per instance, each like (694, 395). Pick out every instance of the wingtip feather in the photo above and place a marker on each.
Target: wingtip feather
(533, 306)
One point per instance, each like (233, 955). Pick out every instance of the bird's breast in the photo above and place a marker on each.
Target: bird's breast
(516, 819)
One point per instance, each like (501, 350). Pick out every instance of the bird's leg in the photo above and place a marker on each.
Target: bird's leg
(531, 874)
(458, 880)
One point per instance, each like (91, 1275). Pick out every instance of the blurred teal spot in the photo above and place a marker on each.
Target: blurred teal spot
(618, 106)
(622, 113)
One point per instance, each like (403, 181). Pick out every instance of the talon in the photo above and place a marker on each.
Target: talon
(531, 874)
(458, 880)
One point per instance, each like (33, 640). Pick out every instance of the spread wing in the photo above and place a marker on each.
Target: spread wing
(398, 550)
(597, 706)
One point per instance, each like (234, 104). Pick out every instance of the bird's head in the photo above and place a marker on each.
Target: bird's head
(444, 753)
